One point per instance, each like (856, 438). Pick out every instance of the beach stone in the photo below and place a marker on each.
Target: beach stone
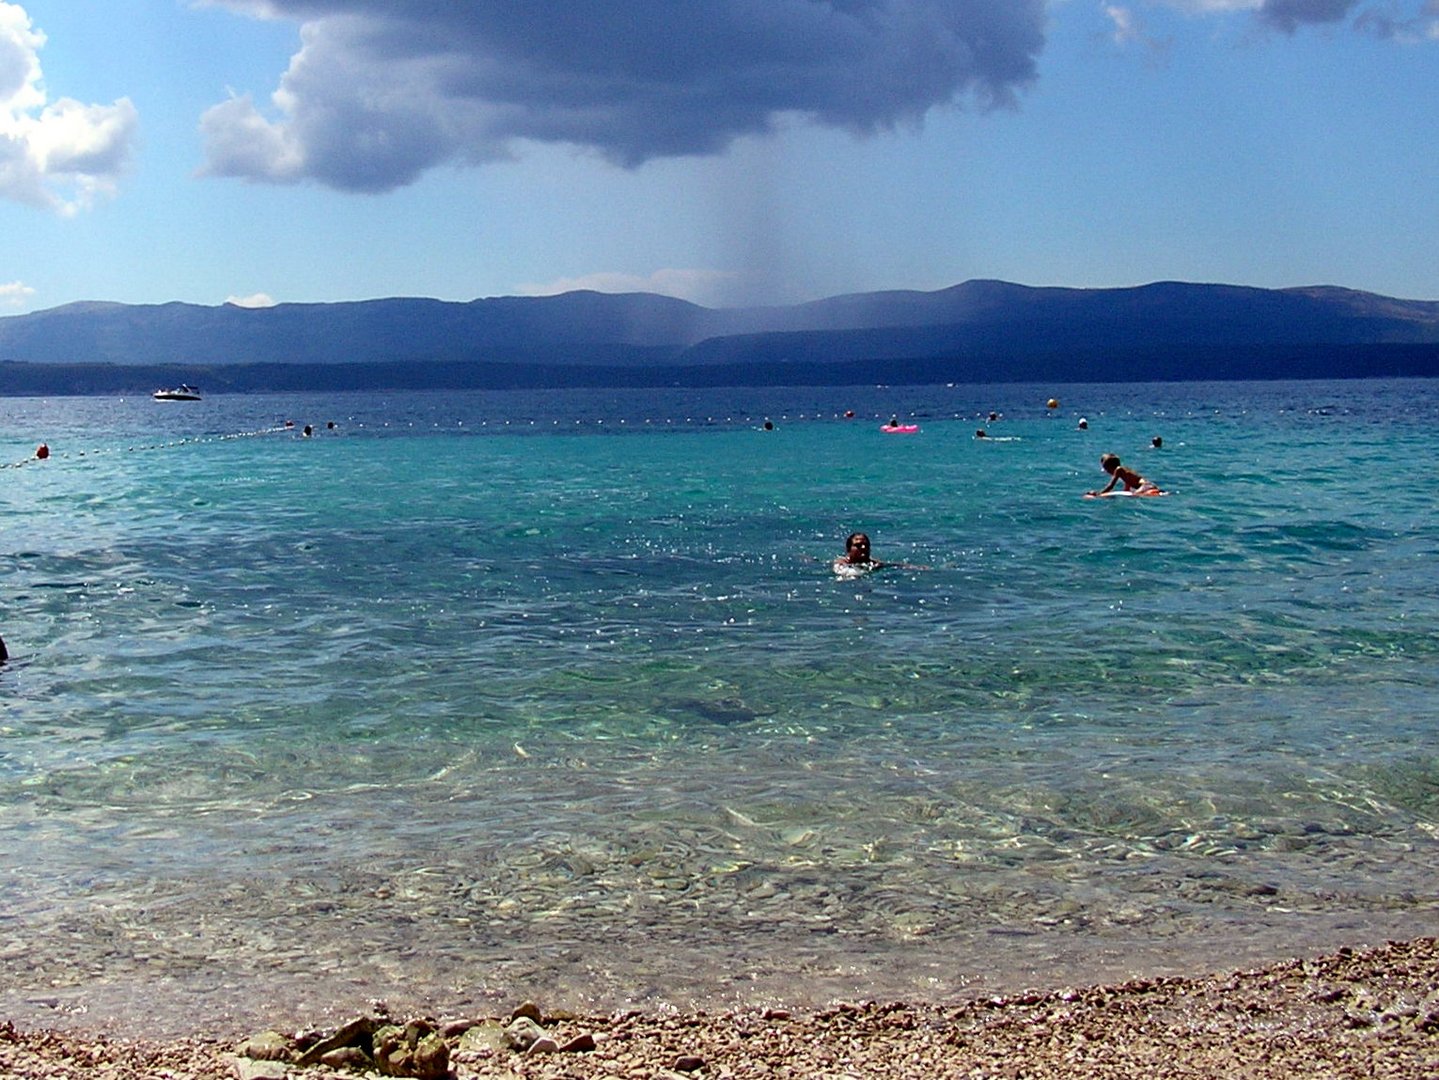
(357, 1032)
(346, 1057)
(390, 1035)
(267, 1046)
(393, 1062)
(487, 1035)
(250, 1069)
(545, 1044)
(430, 1060)
(527, 1009)
(415, 1050)
(522, 1033)
(579, 1044)
(687, 1063)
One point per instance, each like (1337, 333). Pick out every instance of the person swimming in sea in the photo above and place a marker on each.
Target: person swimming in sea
(858, 560)
(1121, 473)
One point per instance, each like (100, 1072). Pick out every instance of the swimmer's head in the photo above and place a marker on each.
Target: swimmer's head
(856, 547)
(1109, 462)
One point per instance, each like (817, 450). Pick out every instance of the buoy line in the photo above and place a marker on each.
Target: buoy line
(44, 453)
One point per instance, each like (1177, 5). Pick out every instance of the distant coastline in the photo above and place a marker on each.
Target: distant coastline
(1170, 364)
(978, 331)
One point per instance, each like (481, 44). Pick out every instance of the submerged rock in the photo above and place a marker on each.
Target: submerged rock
(727, 710)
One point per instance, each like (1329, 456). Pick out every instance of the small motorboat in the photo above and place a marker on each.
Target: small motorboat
(183, 392)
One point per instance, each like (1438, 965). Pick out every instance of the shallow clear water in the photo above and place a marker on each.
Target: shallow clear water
(486, 696)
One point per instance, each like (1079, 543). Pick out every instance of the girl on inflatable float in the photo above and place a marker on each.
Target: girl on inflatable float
(1134, 484)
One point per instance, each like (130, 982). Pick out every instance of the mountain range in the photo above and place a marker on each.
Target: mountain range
(978, 331)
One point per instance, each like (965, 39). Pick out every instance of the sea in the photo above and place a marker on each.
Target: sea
(463, 698)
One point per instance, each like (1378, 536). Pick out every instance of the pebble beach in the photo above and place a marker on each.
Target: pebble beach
(1356, 1012)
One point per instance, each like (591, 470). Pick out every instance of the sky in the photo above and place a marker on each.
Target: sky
(729, 152)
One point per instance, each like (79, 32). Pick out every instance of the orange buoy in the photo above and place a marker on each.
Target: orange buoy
(42, 452)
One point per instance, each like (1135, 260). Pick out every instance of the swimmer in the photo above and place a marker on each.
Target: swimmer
(1156, 442)
(1083, 424)
(4, 655)
(980, 433)
(857, 559)
(893, 421)
(1119, 473)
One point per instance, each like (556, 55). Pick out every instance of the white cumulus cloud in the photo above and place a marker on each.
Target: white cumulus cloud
(15, 294)
(59, 154)
(254, 300)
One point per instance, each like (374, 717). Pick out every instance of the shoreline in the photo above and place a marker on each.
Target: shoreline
(1360, 1012)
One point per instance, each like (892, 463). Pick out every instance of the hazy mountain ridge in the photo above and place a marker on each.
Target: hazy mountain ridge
(995, 327)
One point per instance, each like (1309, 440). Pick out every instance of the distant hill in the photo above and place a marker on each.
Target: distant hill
(988, 330)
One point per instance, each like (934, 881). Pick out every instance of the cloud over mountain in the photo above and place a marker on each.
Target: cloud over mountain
(382, 91)
(58, 154)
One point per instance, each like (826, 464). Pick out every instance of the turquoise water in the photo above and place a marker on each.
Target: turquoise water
(486, 696)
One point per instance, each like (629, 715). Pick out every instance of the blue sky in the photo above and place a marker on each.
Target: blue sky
(726, 151)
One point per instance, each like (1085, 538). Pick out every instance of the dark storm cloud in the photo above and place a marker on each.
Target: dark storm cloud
(382, 91)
